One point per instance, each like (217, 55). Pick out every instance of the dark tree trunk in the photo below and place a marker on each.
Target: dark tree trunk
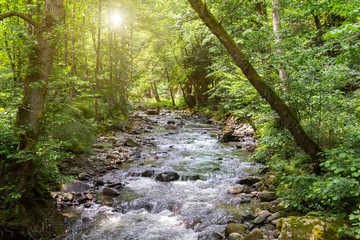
(288, 117)
(170, 89)
(155, 91)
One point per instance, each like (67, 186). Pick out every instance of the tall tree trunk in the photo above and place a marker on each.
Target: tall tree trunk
(155, 91)
(97, 68)
(288, 117)
(170, 89)
(73, 54)
(277, 29)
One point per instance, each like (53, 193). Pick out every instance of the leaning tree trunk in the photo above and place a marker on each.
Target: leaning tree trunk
(288, 117)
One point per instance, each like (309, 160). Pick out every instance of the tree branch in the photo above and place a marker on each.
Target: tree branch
(20, 15)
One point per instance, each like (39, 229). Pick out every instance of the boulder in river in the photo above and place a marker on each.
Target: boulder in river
(110, 192)
(226, 134)
(75, 186)
(130, 142)
(255, 234)
(167, 176)
(236, 190)
(248, 181)
(170, 127)
(84, 176)
(234, 228)
(148, 173)
(68, 197)
(235, 236)
(212, 236)
(153, 112)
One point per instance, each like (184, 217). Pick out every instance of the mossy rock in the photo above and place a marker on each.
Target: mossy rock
(310, 227)
(255, 234)
(234, 228)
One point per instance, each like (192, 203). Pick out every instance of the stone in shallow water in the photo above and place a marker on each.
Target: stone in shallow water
(255, 234)
(248, 181)
(148, 173)
(68, 197)
(110, 192)
(234, 228)
(167, 176)
(75, 186)
(130, 142)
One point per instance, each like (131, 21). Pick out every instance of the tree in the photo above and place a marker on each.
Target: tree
(287, 115)
(277, 30)
(31, 109)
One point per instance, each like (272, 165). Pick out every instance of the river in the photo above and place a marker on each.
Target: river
(189, 208)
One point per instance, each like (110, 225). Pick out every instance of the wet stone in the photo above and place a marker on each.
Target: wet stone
(248, 181)
(75, 186)
(110, 192)
(167, 176)
(148, 173)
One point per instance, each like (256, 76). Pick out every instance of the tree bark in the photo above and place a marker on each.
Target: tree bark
(277, 29)
(288, 117)
(170, 89)
(97, 67)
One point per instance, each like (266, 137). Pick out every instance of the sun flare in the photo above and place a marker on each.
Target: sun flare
(116, 19)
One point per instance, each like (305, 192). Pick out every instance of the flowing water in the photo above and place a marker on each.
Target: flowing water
(189, 208)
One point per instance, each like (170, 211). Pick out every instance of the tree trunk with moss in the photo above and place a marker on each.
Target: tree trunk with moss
(287, 115)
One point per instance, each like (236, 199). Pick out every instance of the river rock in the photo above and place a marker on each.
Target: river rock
(84, 176)
(267, 196)
(236, 190)
(259, 219)
(277, 208)
(213, 236)
(235, 236)
(226, 134)
(255, 234)
(110, 192)
(89, 196)
(75, 186)
(171, 122)
(130, 142)
(264, 213)
(68, 197)
(86, 220)
(234, 228)
(276, 215)
(167, 176)
(170, 127)
(148, 173)
(310, 227)
(99, 181)
(248, 181)
(153, 112)
(135, 154)
(190, 177)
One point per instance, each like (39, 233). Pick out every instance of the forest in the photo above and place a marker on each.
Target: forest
(76, 71)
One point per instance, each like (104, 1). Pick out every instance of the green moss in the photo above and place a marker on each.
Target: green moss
(310, 227)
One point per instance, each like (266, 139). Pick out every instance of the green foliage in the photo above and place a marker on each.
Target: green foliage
(67, 129)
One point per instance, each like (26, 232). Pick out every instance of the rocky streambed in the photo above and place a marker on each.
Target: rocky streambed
(165, 175)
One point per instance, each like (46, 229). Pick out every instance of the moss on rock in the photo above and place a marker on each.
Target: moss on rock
(310, 227)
